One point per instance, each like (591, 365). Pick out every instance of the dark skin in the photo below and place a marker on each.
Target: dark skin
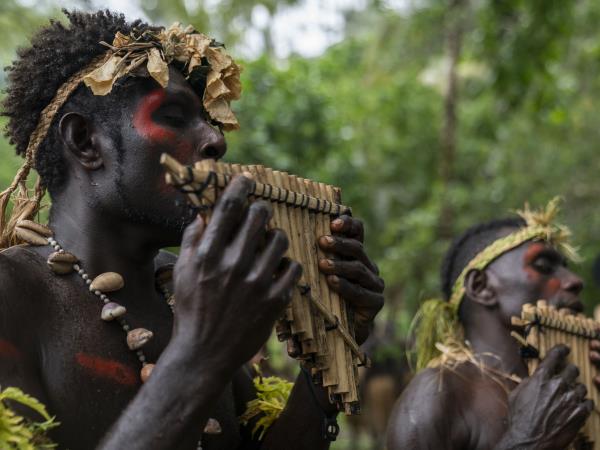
(231, 283)
(472, 409)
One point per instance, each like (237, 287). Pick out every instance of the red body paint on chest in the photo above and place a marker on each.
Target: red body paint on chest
(143, 122)
(8, 350)
(107, 369)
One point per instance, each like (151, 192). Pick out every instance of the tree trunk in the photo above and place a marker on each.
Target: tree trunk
(454, 36)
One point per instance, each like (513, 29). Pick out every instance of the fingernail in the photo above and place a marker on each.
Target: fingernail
(337, 223)
(333, 279)
(328, 240)
(328, 263)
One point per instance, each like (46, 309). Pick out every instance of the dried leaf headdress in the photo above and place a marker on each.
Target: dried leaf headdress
(141, 53)
(437, 322)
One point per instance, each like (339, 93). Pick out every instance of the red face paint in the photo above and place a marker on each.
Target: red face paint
(143, 122)
(8, 350)
(552, 287)
(107, 369)
(531, 253)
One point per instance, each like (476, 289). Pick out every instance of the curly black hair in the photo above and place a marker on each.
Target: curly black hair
(56, 53)
(465, 247)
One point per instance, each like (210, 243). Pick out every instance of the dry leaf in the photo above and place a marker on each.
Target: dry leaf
(220, 111)
(218, 59)
(121, 40)
(101, 80)
(157, 67)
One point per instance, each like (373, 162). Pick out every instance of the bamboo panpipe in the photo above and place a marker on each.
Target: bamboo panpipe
(317, 325)
(546, 327)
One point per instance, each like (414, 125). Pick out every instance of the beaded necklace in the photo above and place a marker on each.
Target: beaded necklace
(62, 262)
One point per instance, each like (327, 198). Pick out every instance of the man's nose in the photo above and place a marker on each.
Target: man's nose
(212, 144)
(572, 283)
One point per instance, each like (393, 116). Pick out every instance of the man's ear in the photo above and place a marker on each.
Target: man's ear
(76, 133)
(479, 289)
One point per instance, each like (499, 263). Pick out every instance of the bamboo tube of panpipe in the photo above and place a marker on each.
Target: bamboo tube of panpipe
(330, 374)
(336, 307)
(279, 221)
(552, 320)
(592, 390)
(310, 266)
(283, 326)
(593, 424)
(532, 337)
(310, 239)
(302, 325)
(350, 394)
(543, 337)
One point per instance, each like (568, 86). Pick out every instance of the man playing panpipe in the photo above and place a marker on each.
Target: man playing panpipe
(473, 391)
(92, 324)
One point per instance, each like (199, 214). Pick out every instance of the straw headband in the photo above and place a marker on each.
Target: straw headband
(436, 324)
(141, 53)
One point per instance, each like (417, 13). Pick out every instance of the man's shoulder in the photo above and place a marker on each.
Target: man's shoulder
(17, 265)
(443, 380)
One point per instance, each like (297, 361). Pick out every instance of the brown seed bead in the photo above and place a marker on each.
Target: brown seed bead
(146, 371)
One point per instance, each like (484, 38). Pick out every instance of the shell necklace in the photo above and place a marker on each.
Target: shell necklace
(62, 262)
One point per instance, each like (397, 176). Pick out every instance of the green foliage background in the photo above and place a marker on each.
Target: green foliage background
(368, 115)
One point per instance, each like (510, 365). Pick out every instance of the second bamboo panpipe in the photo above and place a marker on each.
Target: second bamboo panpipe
(545, 327)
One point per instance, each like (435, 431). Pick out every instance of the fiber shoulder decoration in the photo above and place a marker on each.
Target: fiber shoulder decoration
(436, 324)
(272, 394)
(17, 433)
(142, 53)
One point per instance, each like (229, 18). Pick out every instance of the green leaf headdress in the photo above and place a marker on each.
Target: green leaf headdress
(141, 53)
(436, 326)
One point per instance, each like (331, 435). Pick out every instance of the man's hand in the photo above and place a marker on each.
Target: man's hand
(547, 409)
(351, 273)
(231, 281)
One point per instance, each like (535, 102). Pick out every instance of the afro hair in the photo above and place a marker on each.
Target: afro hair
(56, 53)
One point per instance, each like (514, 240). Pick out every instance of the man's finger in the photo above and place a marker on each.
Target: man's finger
(287, 279)
(554, 361)
(346, 248)
(569, 373)
(581, 413)
(356, 295)
(227, 214)
(354, 271)
(191, 237)
(349, 227)
(580, 391)
(270, 259)
(251, 234)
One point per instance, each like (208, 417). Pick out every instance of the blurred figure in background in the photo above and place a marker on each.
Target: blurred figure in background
(473, 391)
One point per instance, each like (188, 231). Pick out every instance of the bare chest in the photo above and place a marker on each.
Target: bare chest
(89, 372)
(486, 414)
